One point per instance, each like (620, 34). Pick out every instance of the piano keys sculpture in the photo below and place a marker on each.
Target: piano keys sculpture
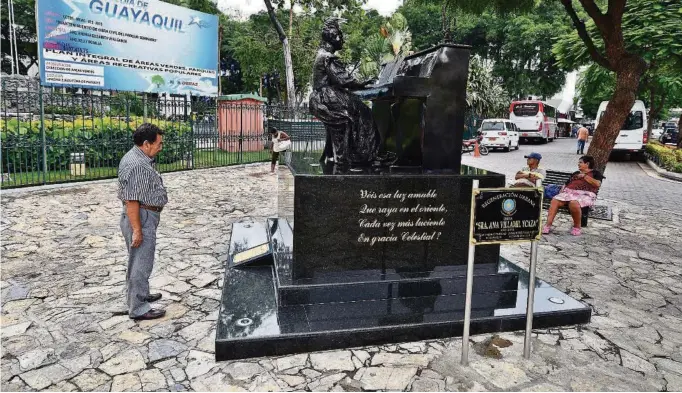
(378, 251)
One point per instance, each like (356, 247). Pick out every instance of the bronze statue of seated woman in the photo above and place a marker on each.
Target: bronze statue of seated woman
(352, 135)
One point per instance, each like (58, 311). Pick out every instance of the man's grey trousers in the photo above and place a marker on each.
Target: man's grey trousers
(140, 260)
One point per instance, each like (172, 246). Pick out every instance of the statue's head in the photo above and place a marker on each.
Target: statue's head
(332, 34)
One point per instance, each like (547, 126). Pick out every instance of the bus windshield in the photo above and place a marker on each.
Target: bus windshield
(528, 109)
(492, 126)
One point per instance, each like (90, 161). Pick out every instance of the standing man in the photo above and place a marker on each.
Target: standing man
(527, 176)
(583, 134)
(141, 190)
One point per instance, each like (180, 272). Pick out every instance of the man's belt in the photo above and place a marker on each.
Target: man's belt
(157, 209)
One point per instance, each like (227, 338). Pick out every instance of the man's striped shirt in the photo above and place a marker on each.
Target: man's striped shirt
(138, 180)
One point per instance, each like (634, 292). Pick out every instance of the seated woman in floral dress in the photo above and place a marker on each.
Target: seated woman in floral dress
(580, 191)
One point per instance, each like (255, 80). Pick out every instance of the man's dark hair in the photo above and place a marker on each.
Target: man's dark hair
(272, 130)
(589, 160)
(146, 132)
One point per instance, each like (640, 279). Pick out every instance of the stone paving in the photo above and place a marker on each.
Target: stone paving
(63, 275)
(626, 181)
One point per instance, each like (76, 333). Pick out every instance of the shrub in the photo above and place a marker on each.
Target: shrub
(666, 157)
(104, 142)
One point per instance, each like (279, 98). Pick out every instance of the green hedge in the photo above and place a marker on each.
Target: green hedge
(103, 143)
(668, 158)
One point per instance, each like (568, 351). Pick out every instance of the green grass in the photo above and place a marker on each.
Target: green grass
(202, 159)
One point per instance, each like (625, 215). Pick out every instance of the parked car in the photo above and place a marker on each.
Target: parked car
(499, 134)
(670, 135)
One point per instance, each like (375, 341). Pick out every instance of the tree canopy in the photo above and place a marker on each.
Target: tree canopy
(518, 44)
(652, 30)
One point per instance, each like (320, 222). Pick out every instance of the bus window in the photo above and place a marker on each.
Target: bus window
(550, 111)
(529, 109)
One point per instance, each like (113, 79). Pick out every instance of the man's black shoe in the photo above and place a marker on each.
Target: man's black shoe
(153, 297)
(151, 314)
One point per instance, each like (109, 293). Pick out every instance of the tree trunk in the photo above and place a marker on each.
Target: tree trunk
(288, 64)
(652, 112)
(291, 18)
(679, 134)
(630, 69)
(447, 36)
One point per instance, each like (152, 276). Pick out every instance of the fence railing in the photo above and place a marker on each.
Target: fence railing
(65, 135)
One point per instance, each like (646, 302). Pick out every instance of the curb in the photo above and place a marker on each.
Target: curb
(663, 172)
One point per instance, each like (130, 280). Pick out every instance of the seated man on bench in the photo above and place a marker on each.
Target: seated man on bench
(527, 176)
(580, 191)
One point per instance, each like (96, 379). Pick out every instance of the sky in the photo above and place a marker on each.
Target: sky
(248, 7)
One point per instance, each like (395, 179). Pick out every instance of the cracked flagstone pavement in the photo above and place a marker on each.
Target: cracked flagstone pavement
(63, 283)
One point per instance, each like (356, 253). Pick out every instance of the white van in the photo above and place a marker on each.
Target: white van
(632, 136)
(500, 134)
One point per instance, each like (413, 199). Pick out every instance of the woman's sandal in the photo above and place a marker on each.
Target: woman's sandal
(576, 231)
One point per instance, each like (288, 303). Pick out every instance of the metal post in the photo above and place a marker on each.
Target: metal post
(531, 291)
(470, 287)
(42, 132)
(241, 133)
(144, 107)
(531, 298)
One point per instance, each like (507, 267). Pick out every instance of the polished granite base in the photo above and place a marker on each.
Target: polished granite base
(263, 316)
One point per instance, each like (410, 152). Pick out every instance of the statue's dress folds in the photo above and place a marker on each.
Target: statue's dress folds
(348, 121)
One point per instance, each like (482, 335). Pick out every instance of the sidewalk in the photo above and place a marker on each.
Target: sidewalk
(63, 280)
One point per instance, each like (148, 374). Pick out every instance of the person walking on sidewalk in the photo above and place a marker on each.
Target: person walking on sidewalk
(141, 190)
(583, 134)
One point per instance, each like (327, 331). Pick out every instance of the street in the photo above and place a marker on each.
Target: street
(626, 181)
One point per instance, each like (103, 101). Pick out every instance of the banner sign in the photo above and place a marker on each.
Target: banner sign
(133, 45)
(506, 215)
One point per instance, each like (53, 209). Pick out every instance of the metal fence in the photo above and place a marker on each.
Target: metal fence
(65, 135)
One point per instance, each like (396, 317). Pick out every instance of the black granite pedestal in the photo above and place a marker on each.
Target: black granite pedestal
(371, 256)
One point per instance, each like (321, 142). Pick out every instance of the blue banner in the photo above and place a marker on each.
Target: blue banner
(133, 45)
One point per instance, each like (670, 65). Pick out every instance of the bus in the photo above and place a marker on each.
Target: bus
(537, 120)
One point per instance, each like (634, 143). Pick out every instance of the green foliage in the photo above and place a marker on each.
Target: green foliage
(523, 55)
(424, 20)
(519, 44)
(255, 44)
(651, 29)
(485, 95)
(595, 84)
(27, 46)
(131, 104)
(104, 142)
(668, 158)
(393, 39)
